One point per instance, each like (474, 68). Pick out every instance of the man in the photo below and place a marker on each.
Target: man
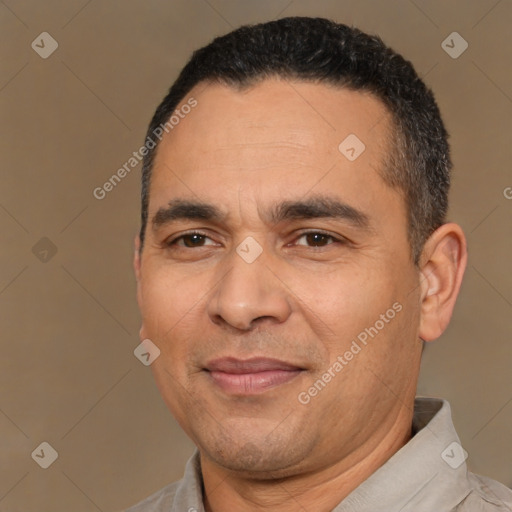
(293, 258)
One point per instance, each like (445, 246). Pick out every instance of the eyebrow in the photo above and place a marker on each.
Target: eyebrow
(313, 208)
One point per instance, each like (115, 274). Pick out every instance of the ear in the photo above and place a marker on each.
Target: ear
(136, 258)
(137, 270)
(442, 265)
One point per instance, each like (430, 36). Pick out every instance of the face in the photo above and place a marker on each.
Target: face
(276, 277)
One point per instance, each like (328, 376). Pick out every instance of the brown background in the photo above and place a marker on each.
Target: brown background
(68, 375)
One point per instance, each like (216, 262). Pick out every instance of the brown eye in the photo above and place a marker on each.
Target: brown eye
(190, 240)
(316, 239)
(193, 240)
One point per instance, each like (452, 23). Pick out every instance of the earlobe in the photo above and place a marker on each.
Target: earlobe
(443, 260)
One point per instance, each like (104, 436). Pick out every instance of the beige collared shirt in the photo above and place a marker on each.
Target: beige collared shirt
(428, 474)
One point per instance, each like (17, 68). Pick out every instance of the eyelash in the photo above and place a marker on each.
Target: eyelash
(173, 242)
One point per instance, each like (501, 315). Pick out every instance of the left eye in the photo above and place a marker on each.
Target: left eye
(316, 239)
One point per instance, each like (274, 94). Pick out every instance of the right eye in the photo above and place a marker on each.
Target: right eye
(189, 240)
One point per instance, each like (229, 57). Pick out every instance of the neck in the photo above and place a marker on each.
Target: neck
(320, 489)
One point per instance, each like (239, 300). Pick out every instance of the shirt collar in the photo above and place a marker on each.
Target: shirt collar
(428, 473)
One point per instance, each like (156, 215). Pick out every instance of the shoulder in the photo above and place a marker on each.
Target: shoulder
(486, 495)
(160, 501)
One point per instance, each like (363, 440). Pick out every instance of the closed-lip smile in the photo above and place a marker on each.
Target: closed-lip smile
(250, 376)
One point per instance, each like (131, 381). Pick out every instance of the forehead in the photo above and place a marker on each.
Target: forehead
(273, 110)
(275, 139)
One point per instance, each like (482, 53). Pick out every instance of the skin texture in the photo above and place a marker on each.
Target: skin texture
(303, 300)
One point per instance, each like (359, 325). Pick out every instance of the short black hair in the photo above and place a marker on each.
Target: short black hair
(319, 50)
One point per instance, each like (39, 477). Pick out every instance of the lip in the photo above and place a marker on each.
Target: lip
(250, 376)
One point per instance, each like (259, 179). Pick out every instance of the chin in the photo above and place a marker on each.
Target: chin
(259, 459)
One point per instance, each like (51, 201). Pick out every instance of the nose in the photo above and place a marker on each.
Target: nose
(248, 294)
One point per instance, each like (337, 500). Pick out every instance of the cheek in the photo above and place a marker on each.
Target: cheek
(345, 301)
(167, 302)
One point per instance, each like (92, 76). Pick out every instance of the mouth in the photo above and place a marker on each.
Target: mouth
(250, 376)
